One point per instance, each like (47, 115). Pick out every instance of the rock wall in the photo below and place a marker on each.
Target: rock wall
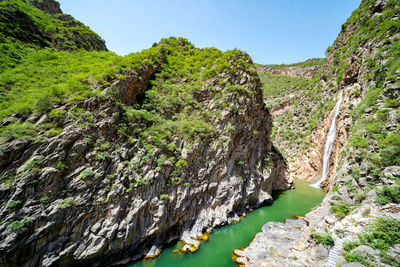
(78, 198)
(48, 6)
(361, 172)
(307, 72)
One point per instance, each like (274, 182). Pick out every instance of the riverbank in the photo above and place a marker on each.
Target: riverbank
(217, 251)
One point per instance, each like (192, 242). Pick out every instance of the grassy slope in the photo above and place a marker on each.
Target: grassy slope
(25, 28)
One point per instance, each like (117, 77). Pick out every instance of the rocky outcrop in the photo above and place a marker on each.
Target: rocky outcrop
(135, 83)
(307, 72)
(48, 6)
(271, 245)
(93, 196)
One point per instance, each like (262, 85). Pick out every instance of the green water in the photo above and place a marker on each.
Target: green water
(217, 251)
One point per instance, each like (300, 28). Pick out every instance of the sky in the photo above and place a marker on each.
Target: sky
(270, 31)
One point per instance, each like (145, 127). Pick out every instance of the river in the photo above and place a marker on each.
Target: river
(217, 251)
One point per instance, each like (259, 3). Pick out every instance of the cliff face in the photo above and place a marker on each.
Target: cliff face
(363, 197)
(48, 6)
(306, 70)
(123, 155)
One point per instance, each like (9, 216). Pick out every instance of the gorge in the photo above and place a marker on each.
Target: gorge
(108, 160)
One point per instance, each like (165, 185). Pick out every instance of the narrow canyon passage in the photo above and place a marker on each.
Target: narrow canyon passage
(217, 251)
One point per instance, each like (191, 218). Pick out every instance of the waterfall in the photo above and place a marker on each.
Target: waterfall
(330, 139)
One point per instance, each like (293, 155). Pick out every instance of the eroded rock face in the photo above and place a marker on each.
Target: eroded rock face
(358, 173)
(307, 72)
(48, 6)
(81, 198)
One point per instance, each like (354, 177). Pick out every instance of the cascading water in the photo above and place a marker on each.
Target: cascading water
(330, 139)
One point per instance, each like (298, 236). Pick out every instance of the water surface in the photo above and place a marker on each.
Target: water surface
(217, 251)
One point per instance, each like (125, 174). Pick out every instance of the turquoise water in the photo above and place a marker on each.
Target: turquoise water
(217, 251)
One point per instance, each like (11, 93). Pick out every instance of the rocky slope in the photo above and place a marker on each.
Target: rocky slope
(359, 220)
(307, 69)
(302, 109)
(107, 164)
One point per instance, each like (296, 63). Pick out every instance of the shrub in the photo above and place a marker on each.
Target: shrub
(44, 200)
(34, 164)
(165, 197)
(383, 233)
(43, 104)
(18, 225)
(341, 209)
(141, 182)
(390, 150)
(67, 202)
(18, 130)
(389, 194)
(111, 176)
(354, 257)
(180, 163)
(85, 174)
(53, 132)
(60, 166)
(57, 114)
(13, 204)
(348, 246)
(322, 239)
(102, 156)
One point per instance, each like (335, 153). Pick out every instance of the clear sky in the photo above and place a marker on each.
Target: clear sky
(271, 31)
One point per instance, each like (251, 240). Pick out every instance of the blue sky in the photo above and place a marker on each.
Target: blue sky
(271, 31)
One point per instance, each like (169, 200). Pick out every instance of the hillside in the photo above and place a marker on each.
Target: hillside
(359, 219)
(105, 159)
(29, 25)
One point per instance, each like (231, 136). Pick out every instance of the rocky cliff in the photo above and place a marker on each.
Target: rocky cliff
(121, 156)
(359, 221)
(307, 69)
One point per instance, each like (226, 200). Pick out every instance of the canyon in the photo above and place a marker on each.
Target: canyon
(125, 156)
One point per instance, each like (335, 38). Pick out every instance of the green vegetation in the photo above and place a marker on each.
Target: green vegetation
(68, 79)
(36, 29)
(88, 174)
(44, 200)
(306, 107)
(170, 108)
(165, 197)
(381, 235)
(341, 208)
(309, 62)
(13, 204)
(354, 257)
(60, 166)
(19, 225)
(280, 85)
(67, 202)
(389, 194)
(322, 239)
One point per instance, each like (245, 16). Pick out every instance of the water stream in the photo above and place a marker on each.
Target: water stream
(217, 251)
(330, 139)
